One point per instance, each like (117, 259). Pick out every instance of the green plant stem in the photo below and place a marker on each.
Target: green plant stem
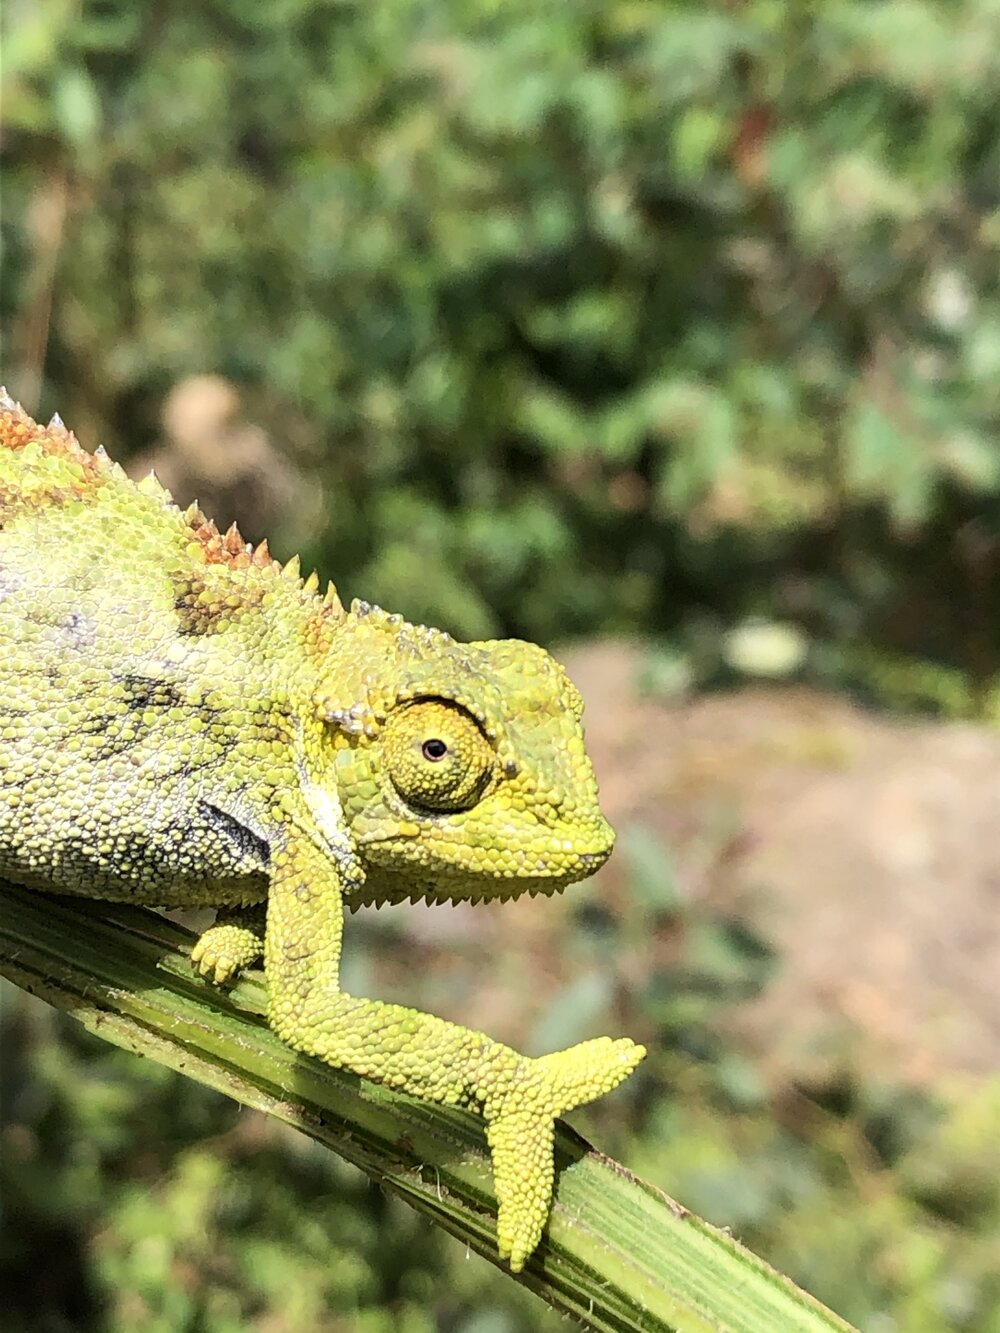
(618, 1254)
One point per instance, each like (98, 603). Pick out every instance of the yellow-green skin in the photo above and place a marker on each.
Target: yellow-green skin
(183, 722)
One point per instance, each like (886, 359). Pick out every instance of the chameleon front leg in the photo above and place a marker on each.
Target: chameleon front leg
(422, 1055)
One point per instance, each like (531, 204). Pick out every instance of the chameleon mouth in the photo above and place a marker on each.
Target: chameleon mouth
(381, 891)
(592, 861)
(454, 884)
(452, 863)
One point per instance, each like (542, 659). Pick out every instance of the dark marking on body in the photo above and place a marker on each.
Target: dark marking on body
(122, 731)
(201, 609)
(142, 692)
(247, 846)
(195, 617)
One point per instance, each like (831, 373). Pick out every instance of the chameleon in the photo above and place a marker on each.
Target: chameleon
(187, 722)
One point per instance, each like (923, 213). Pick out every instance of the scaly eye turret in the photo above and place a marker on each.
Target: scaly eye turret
(436, 756)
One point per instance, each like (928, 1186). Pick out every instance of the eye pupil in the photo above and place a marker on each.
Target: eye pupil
(434, 750)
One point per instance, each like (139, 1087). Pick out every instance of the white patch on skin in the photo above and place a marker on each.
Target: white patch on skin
(328, 819)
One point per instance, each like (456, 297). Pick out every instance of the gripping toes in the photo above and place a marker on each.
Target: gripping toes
(222, 952)
(521, 1132)
(521, 1148)
(585, 1072)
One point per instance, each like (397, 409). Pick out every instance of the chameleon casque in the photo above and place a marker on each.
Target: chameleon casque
(186, 722)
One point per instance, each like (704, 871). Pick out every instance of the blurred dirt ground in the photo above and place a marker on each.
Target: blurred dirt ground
(865, 848)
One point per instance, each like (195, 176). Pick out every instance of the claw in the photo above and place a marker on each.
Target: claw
(214, 966)
(224, 951)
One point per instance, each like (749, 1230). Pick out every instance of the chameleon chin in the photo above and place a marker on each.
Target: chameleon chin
(186, 722)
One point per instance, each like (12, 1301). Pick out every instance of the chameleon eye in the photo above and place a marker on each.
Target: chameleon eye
(436, 756)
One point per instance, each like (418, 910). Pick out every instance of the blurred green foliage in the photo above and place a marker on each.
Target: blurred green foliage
(593, 317)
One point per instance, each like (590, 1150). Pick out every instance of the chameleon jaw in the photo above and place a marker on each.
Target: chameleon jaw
(438, 886)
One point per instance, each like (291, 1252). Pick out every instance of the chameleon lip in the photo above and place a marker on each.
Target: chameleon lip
(558, 865)
(594, 859)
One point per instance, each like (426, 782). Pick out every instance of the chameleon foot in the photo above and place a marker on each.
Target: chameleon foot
(520, 1133)
(223, 951)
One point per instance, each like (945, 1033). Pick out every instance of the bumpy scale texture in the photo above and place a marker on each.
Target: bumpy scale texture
(186, 722)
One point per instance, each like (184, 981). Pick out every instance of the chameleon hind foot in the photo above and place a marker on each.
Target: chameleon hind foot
(234, 943)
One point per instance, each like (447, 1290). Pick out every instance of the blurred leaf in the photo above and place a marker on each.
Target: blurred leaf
(764, 648)
(652, 875)
(578, 1011)
(78, 112)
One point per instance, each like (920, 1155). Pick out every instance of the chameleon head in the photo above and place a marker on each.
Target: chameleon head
(461, 768)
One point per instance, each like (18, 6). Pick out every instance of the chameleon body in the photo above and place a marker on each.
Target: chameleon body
(186, 722)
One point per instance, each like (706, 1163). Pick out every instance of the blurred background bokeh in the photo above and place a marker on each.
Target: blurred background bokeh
(666, 334)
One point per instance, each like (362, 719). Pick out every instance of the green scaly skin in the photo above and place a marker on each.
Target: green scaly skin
(185, 722)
